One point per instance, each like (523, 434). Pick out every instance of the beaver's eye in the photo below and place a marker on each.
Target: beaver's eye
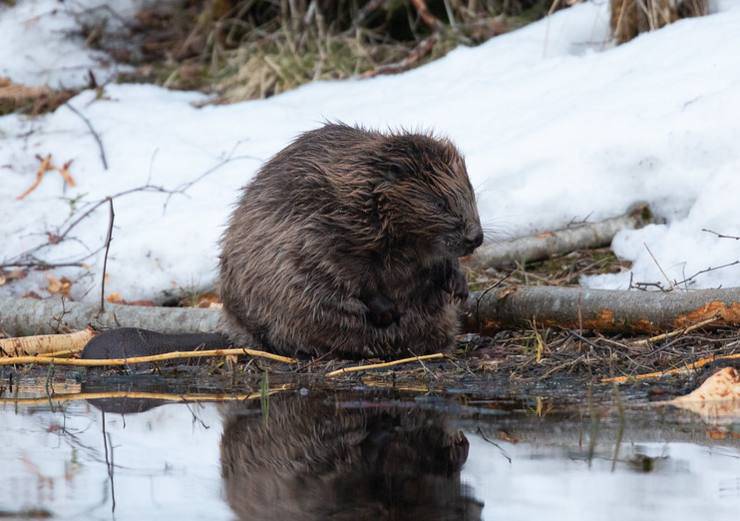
(441, 206)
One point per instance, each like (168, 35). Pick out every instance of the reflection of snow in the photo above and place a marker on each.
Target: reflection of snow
(688, 482)
(555, 124)
(166, 465)
(166, 462)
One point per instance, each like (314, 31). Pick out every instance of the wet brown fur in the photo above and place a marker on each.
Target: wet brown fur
(632, 17)
(339, 217)
(311, 460)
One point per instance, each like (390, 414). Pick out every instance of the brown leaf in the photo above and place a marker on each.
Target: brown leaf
(58, 286)
(47, 166)
(114, 298)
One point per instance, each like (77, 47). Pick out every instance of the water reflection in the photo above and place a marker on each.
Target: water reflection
(320, 455)
(319, 459)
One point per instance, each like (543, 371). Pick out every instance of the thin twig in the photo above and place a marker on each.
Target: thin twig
(670, 285)
(108, 238)
(677, 332)
(707, 270)
(355, 369)
(175, 355)
(678, 370)
(95, 134)
(721, 235)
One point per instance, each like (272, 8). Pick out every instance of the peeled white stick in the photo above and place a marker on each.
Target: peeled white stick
(43, 344)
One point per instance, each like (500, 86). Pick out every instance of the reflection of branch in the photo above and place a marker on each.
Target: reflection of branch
(143, 395)
(94, 133)
(109, 463)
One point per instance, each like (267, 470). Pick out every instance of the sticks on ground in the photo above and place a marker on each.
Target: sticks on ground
(175, 355)
(412, 59)
(686, 369)
(383, 365)
(560, 242)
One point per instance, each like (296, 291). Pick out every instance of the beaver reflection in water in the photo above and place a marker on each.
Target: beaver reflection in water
(313, 460)
(346, 242)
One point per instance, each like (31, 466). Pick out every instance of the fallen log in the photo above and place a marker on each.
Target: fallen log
(559, 242)
(22, 317)
(642, 312)
(602, 310)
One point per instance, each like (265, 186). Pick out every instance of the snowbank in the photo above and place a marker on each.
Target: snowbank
(556, 125)
(40, 42)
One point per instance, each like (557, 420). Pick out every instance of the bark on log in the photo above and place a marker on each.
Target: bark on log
(559, 242)
(22, 317)
(603, 310)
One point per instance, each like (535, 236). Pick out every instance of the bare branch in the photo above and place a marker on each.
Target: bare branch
(108, 238)
(94, 133)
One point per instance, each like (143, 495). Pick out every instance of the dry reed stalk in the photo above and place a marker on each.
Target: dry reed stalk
(175, 355)
(383, 365)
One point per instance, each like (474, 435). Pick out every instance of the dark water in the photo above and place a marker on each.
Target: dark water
(312, 454)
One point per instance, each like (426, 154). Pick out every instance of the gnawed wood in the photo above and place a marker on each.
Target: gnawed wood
(559, 242)
(45, 344)
(602, 310)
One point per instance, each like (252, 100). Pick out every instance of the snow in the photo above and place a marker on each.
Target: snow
(40, 42)
(543, 477)
(556, 125)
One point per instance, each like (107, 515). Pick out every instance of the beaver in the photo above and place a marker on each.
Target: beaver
(318, 457)
(345, 242)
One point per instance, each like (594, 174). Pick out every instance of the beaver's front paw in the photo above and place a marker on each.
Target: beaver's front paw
(452, 280)
(458, 285)
(381, 311)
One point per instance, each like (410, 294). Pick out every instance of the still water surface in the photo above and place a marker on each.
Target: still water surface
(313, 455)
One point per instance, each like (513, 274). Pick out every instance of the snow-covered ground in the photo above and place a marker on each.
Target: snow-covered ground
(556, 125)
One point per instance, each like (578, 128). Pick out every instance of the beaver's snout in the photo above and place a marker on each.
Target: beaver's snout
(472, 239)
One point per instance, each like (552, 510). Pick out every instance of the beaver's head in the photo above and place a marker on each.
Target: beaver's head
(425, 198)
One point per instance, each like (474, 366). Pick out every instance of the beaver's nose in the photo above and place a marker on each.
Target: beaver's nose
(475, 239)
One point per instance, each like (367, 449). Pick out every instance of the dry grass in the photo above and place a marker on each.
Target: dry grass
(243, 49)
